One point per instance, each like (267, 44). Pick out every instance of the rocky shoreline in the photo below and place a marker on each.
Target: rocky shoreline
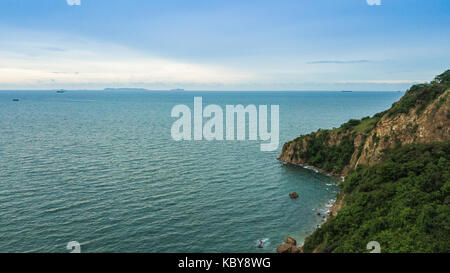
(335, 207)
(418, 122)
(290, 244)
(313, 168)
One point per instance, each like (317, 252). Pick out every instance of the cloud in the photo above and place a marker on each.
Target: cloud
(339, 62)
(74, 61)
(74, 2)
(48, 60)
(50, 48)
(373, 2)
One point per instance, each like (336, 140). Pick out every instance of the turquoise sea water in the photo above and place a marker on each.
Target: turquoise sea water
(101, 168)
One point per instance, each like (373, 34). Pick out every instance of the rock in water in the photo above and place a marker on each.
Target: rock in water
(284, 248)
(290, 240)
(290, 246)
(293, 195)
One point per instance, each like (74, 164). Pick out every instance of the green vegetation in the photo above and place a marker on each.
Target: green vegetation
(335, 157)
(329, 158)
(362, 126)
(421, 95)
(444, 78)
(441, 102)
(403, 203)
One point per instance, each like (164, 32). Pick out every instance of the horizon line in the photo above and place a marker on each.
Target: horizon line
(192, 90)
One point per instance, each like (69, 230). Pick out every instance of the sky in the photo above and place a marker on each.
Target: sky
(367, 45)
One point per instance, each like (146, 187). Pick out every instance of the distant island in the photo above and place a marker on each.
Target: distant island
(176, 90)
(395, 178)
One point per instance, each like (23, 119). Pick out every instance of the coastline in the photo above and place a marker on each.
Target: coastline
(310, 167)
(336, 206)
(336, 203)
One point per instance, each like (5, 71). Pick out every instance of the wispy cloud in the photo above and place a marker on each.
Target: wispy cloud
(26, 62)
(339, 62)
(373, 2)
(50, 48)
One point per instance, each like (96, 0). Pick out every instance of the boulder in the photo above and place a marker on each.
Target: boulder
(295, 249)
(288, 248)
(284, 248)
(291, 241)
(293, 195)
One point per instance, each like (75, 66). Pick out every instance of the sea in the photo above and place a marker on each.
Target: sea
(101, 168)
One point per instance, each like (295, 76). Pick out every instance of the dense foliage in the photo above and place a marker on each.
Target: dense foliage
(333, 158)
(329, 158)
(421, 95)
(403, 203)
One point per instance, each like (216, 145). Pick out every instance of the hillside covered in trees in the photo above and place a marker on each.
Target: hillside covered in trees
(397, 168)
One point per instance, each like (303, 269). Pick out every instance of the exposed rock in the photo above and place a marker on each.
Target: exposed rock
(293, 195)
(421, 116)
(416, 126)
(290, 240)
(260, 245)
(336, 207)
(284, 248)
(288, 248)
(430, 125)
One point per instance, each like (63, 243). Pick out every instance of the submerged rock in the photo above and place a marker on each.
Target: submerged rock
(260, 245)
(293, 195)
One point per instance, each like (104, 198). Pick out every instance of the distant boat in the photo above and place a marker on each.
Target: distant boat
(176, 90)
(15, 99)
(61, 91)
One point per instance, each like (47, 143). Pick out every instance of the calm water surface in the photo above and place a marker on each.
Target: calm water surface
(101, 168)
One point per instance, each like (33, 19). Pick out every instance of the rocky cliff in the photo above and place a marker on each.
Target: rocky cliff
(397, 163)
(420, 116)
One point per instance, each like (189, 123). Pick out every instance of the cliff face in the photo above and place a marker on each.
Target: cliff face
(397, 191)
(431, 125)
(420, 116)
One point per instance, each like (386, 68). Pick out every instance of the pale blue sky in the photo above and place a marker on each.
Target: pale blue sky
(223, 45)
